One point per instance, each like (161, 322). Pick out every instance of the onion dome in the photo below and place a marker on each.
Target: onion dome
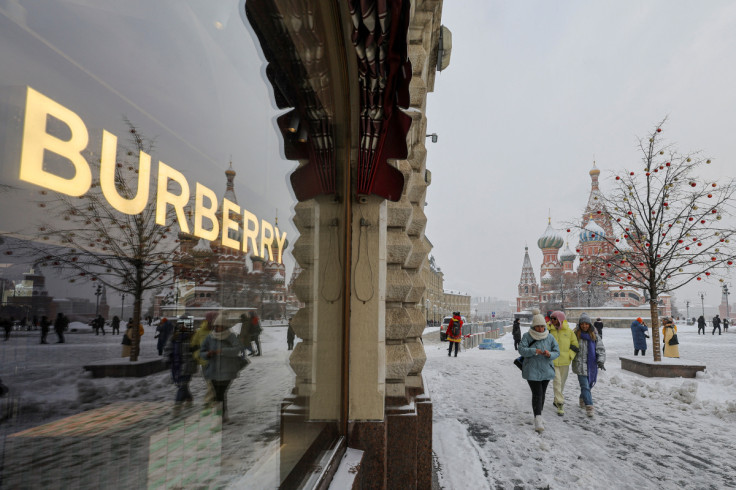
(551, 239)
(547, 278)
(594, 171)
(202, 247)
(623, 246)
(592, 232)
(567, 255)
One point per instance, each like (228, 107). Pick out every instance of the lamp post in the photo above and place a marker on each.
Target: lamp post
(98, 293)
(426, 310)
(122, 306)
(726, 293)
(702, 301)
(433, 136)
(687, 309)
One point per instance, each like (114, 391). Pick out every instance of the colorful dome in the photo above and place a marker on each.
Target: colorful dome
(592, 232)
(551, 239)
(567, 255)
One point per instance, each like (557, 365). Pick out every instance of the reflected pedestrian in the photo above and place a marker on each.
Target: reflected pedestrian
(290, 336)
(45, 327)
(8, 327)
(178, 355)
(222, 350)
(202, 333)
(599, 327)
(60, 325)
(115, 325)
(539, 350)
(255, 331)
(163, 331)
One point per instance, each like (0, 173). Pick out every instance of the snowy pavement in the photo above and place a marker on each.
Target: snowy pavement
(647, 432)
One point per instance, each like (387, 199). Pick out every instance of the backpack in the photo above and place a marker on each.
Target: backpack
(455, 332)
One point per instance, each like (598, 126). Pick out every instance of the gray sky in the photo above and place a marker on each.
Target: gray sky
(536, 90)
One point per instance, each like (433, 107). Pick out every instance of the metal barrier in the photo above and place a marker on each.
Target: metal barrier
(474, 333)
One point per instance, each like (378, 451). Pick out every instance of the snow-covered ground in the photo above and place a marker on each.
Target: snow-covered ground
(47, 383)
(647, 432)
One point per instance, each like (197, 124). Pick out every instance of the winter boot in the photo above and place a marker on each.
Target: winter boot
(582, 403)
(538, 423)
(589, 410)
(560, 408)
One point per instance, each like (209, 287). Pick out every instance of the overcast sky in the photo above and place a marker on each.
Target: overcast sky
(536, 90)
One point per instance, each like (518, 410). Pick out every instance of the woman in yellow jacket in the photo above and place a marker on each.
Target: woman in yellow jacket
(669, 330)
(568, 343)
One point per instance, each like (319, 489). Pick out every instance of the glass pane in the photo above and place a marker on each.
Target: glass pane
(143, 185)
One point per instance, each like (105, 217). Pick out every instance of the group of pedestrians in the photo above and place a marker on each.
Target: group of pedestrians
(213, 349)
(717, 323)
(549, 349)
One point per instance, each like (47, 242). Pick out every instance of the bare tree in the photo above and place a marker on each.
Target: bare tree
(86, 239)
(668, 225)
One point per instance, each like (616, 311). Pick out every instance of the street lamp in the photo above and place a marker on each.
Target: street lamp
(122, 306)
(433, 136)
(687, 307)
(726, 293)
(702, 301)
(426, 310)
(98, 293)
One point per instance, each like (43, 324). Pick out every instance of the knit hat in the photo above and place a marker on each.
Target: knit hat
(559, 315)
(537, 319)
(584, 318)
(639, 320)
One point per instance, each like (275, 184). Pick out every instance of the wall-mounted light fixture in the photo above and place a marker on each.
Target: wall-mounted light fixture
(433, 136)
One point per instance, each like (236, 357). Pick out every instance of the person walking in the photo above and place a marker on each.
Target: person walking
(127, 341)
(290, 336)
(567, 343)
(255, 331)
(716, 324)
(8, 327)
(639, 333)
(163, 330)
(539, 350)
(222, 349)
(599, 327)
(202, 333)
(516, 333)
(590, 358)
(60, 325)
(701, 324)
(99, 325)
(725, 325)
(115, 325)
(178, 355)
(669, 332)
(454, 333)
(45, 327)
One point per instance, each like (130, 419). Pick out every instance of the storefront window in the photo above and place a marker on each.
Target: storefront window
(143, 177)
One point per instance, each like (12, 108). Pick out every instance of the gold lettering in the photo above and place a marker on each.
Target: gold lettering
(36, 140)
(134, 205)
(249, 234)
(164, 197)
(280, 242)
(209, 212)
(229, 224)
(266, 240)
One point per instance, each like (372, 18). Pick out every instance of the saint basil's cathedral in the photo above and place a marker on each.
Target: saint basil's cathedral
(561, 284)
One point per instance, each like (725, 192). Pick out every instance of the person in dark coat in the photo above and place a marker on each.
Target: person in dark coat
(290, 336)
(701, 324)
(60, 325)
(717, 324)
(599, 327)
(178, 355)
(255, 330)
(516, 333)
(639, 332)
(221, 348)
(7, 326)
(115, 325)
(99, 325)
(725, 324)
(163, 331)
(45, 327)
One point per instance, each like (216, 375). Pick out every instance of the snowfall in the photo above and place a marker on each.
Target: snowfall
(647, 432)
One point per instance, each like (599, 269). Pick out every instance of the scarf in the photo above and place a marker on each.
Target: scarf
(220, 335)
(592, 364)
(538, 335)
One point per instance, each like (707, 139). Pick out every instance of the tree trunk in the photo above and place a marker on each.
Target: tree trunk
(654, 311)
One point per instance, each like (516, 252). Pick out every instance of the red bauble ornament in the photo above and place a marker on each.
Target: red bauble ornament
(647, 174)
(713, 211)
(700, 244)
(687, 248)
(712, 258)
(632, 173)
(729, 262)
(598, 212)
(710, 195)
(665, 204)
(618, 220)
(713, 184)
(659, 130)
(698, 278)
(568, 230)
(641, 264)
(626, 236)
(679, 241)
(592, 235)
(618, 178)
(702, 221)
(629, 212)
(667, 164)
(707, 273)
(690, 218)
(620, 287)
(587, 282)
(692, 184)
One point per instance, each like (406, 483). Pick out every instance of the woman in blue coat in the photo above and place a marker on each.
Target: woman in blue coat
(222, 350)
(539, 349)
(639, 333)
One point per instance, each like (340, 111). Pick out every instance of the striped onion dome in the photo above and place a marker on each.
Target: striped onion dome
(592, 232)
(567, 255)
(551, 239)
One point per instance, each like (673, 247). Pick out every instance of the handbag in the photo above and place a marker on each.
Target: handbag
(673, 340)
(519, 361)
